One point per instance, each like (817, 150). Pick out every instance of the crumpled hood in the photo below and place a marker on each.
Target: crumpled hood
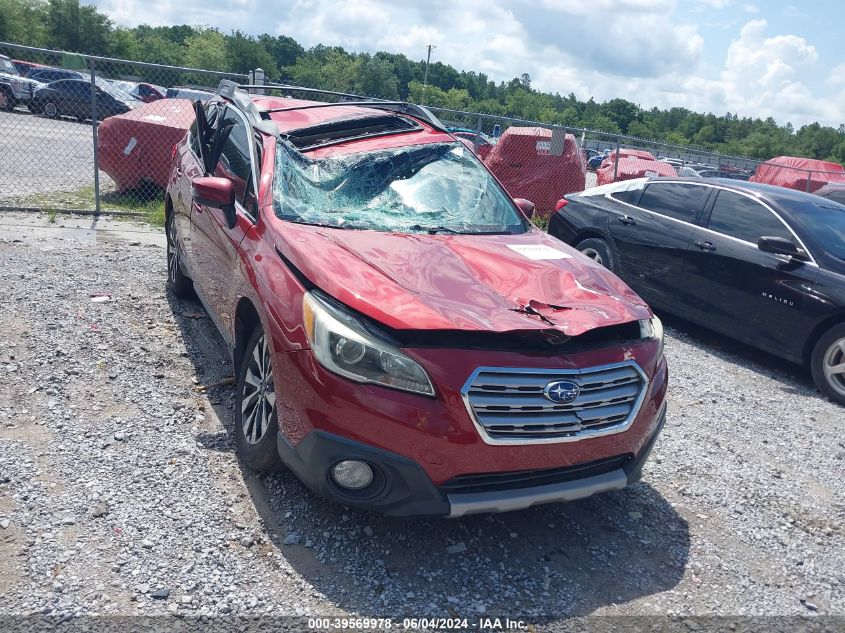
(491, 283)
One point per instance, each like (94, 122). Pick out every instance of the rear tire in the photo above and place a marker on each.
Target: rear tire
(256, 420)
(599, 251)
(177, 281)
(827, 363)
(50, 110)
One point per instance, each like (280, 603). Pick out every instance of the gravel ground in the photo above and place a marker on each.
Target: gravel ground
(120, 492)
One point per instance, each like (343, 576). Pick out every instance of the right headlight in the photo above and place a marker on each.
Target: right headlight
(653, 329)
(342, 346)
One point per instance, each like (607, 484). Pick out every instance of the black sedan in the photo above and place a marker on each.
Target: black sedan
(762, 264)
(72, 97)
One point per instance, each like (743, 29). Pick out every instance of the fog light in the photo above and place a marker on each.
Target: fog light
(352, 474)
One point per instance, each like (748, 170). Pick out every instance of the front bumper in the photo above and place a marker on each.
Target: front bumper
(404, 488)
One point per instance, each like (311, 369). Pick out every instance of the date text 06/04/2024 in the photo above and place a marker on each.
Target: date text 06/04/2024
(412, 624)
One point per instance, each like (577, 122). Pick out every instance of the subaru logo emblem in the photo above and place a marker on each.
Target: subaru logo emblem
(562, 391)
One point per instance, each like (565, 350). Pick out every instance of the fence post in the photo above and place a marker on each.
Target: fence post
(616, 160)
(807, 187)
(477, 135)
(259, 79)
(93, 67)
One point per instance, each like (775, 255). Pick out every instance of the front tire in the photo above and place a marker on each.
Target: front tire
(7, 99)
(599, 251)
(177, 281)
(827, 363)
(256, 420)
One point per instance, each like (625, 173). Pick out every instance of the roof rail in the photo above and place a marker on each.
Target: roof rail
(400, 107)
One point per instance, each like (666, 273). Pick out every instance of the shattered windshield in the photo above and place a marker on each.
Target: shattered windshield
(414, 189)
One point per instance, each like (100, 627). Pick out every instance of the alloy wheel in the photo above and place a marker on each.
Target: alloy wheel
(172, 252)
(258, 399)
(834, 365)
(51, 110)
(594, 255)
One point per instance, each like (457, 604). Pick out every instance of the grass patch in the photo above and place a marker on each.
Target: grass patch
(147, 200)
(541, 221)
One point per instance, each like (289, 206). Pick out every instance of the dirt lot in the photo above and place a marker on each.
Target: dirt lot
(120, 492)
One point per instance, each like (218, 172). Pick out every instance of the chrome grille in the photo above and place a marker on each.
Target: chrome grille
(508, 405)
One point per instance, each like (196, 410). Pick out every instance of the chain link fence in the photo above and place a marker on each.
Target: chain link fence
(94, 133)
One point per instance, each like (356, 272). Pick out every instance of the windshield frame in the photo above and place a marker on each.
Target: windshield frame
(11, 69)
(415, 225)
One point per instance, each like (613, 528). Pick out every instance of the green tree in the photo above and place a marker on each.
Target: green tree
(245, 53)
(205, 49)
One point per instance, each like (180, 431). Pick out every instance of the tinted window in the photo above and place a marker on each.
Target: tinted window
(235, 161)
(823, 221)
(674, 199)
(837, 195)
(744, 218)
(631, 196)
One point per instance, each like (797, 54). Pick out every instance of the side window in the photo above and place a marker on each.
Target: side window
(744, 218)
(675, 199)
(235, 162)
(631, 196)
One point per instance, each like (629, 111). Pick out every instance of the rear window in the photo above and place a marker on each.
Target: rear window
(676, 200)
(837, 195)
(631, 196)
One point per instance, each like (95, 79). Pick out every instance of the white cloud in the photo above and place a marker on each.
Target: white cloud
(751, 8)
(641, 50)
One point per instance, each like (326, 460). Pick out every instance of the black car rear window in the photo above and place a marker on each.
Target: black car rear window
(674, 199)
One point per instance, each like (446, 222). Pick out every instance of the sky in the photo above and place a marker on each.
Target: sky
(762, 58)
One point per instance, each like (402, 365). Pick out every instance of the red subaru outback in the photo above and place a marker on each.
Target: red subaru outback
(404, 339)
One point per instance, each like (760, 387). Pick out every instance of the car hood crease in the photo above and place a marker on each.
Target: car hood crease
(460, 282)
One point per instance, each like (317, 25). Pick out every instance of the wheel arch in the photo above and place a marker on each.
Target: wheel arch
(588, 233)
(246, 318)
(818, 332)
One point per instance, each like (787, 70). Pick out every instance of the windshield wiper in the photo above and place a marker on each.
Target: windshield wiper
(431, 230)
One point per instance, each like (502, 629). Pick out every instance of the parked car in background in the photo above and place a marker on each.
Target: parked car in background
(189, 92)
(595, 161)
(687, 172)
(48, 75)
(24, 67)
(759, 263)
(832, 192)
(590, 153)
(142, 91)
(801, 174)
(631, 163)
(137, 147)
(14, 89)
(72, 97)
(461, 363)
(480, 142)
(526, 163)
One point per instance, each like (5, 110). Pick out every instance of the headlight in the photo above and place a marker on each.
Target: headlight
(342, 346)
(653, 329)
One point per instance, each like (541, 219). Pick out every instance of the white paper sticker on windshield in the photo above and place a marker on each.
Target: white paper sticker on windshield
(538, 251)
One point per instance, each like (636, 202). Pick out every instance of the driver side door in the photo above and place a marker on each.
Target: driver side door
(216, 245)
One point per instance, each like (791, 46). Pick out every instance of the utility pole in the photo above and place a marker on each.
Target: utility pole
(425, 77)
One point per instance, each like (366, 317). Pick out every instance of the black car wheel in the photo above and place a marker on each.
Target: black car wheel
(50, 109)
(7, 99)
(177, 281)
(828, 364)
(256, 421)
(599, 251)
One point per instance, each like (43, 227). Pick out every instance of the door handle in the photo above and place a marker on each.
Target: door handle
(705, 246)
(627, 220)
